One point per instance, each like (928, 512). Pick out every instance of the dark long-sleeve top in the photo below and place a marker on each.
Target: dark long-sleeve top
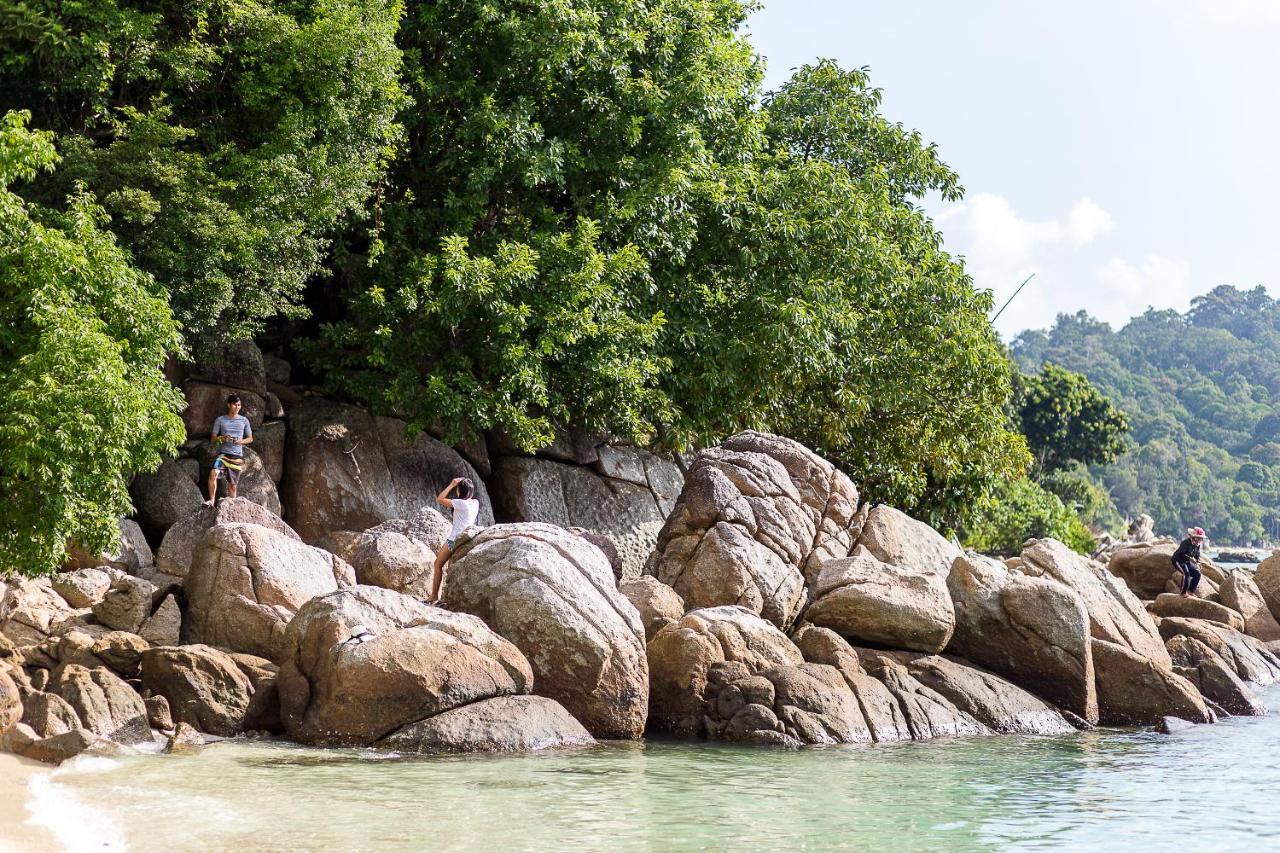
(1188, 551)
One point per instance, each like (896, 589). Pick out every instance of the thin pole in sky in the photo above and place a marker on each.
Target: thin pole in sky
(1010, 299)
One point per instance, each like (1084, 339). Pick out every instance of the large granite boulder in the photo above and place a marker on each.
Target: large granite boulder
(167, 496)
(502, 724)
(126, 605)
(867, 601)
(1214, 678)
(394, 561)
(31, 611)
(1032, 630)
(1134, 690)
(893, 537)
(657, 603)
(1267, 579)
(554, 596)
(363, 663)
(247, 582)
(1171, 604)
(1145, 567)
(207, 401)
(349, 470)
(884, 717)
(1240, 592)
(1251, 659)
(269, 444)
(996, 703)
(929, 714)
(48, 714)
(208, 689)
(181, 540)
(82, 587)
(755, 520)
(239, 364)
(105, 704)
(806, 704)
(624, 494)
(1116, 615)
(131, 553)
(681, 656)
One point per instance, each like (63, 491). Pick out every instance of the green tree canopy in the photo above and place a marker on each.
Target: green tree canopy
(226, 140)
(1068, 421)
(601, 220)
(83, 337)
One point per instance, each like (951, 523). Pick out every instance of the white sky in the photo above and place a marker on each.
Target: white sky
(1126, 152)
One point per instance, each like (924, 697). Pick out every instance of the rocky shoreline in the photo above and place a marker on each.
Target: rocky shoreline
(751, 597)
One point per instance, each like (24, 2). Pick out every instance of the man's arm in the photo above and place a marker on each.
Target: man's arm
(443, 497)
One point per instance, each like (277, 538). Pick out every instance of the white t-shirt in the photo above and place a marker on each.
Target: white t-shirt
(465, 511)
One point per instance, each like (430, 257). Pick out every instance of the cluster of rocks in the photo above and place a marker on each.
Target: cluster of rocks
(761, 601)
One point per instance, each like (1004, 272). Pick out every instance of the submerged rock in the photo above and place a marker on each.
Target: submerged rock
(501, 724)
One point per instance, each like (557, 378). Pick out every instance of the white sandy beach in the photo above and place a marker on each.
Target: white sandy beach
(16, 834)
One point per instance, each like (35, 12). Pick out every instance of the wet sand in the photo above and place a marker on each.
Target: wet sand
(15, 833)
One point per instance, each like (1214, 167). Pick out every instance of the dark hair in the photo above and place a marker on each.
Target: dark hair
(234, 398)
(466, 489)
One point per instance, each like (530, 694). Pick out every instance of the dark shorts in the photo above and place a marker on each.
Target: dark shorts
(224, 470)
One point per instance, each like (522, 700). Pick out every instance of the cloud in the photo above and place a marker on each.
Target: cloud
(1087, 222)
(1159, 282)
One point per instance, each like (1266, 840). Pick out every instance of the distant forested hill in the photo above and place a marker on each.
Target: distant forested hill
(1202, 390)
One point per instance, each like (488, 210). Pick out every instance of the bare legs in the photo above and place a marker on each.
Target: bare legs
(213, 486)
(437, 572)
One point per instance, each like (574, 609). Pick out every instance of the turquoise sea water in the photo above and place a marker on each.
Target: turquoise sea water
(1210, 788)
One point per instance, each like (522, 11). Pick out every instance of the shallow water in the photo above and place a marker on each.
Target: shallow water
(1213, 787)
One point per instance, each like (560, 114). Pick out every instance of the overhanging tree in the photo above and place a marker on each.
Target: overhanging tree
(83, 336)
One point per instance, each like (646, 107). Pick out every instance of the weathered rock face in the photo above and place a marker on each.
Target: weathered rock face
(1133, 690)
(896, 538)
(1250, 658)
(205, 688)
(164, 627)
(350, 471)
(82, 587)
(1169, 604)
(929, 714)
(553, 595)
(884, 717)
(657, 603)
(1267, 579)
(48, 714)
(105, 704)
(1115, 614)
(867, 601)
(501, 724)
(681, 656)
(1145, 567)
(269, 444)
(395, 561)
(1241, 593)
(1031, 630)
(756, 518)
(132, 554)
(989, 699)
(365, 662)
(206, 402)
(787, 705)
(238, 365)
(126, 605)
(167, 496)
(625, 496)
(247, 582)
(10, 702)
(1215, 679)
(30, 611)
(180, 542)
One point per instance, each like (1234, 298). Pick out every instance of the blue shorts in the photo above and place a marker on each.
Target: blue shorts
(449, 543)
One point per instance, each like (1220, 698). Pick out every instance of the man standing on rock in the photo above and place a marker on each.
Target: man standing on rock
(1187, 560)
(230, 433)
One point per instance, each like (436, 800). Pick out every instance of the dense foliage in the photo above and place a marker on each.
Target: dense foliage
(1202, 392)
(601, 220)
(82, 338)
(1021, 509)
(1067, 421)
(226, 140)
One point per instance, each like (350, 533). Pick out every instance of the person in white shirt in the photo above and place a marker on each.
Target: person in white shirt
(465, 510)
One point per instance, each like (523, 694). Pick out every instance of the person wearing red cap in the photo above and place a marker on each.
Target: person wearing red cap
(1187, 560)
